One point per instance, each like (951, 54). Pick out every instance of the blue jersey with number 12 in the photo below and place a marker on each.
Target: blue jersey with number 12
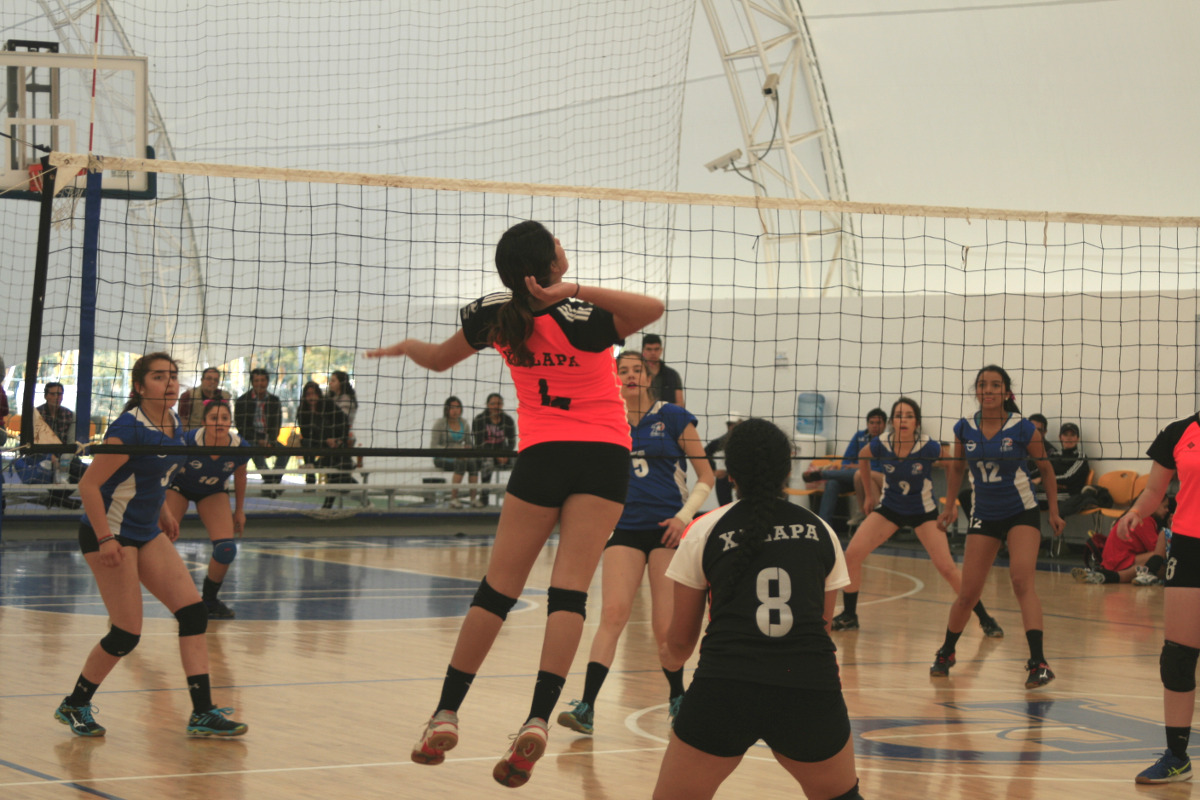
(999, 474)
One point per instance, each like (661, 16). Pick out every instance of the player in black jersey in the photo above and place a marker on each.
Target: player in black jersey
(767, 666)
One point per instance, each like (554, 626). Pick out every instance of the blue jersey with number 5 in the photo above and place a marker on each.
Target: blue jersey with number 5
(658, 469)
(204, 475)
(999, 474)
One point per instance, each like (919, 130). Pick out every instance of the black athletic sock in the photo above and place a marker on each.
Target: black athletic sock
(596, 673)
(1109, 575)
(545, 694)
(980, 611)
(1035, 647)
(211, 587)
(850, 603)
(454, 689)
(1154, 564)
(84, 691)
(951, 641)
(201, 692)
(1177, 741)
(674, 681)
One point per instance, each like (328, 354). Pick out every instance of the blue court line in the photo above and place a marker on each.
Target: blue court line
(43, 776)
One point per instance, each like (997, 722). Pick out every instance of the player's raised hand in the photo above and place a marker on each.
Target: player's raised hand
(552, 293)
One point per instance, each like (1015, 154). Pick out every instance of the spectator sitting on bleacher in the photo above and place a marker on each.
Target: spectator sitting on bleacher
(322, 425)
(61, 420)
(258, 416)
(1072, 470)
(191, 402)
(846, 478)
(1140, 560)
(451, 432)
(493, 430)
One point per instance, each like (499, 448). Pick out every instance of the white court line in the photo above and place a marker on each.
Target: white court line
(918, 586)
(322, 768)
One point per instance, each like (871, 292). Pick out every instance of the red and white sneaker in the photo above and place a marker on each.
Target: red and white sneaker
(441, 734)
(528, 746)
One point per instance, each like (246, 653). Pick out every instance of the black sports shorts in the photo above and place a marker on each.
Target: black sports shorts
(646, 541)
(1183, 562)
(88, 542)
(547, 474)
(192, 497)
(913, 521)
(999, 528)
(725, 718)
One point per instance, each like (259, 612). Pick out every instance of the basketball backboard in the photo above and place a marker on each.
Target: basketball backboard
(49, 104)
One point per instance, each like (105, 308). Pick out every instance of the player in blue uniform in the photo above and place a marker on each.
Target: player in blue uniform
(768, 670)
(996, 443)
(202, 480)
(657, 509)
(126, 537)
(907, 458)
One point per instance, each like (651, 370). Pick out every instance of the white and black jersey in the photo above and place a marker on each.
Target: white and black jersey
(771, 629)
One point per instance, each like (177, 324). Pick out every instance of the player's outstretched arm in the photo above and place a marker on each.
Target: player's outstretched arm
(437, 357)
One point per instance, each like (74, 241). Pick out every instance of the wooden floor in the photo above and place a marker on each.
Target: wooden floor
(337, 657)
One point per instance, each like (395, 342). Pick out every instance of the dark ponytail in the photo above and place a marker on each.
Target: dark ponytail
(525, 249)
(1010, 399)
(141, 368)
(758, 457)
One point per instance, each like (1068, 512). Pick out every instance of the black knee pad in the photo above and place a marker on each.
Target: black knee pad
(566, 600)
(118, 642)
(489, 599)
(1177, 666)
(224, 551)
(850, 795)
(193, 619)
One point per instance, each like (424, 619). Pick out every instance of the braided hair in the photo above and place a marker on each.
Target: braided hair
(758, 457)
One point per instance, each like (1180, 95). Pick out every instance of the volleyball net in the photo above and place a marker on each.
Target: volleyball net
(301, 272)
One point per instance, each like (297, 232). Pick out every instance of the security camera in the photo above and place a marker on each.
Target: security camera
(724, 162)
(771, 85)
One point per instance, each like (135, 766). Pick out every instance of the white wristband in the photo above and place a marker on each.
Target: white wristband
(695, 500)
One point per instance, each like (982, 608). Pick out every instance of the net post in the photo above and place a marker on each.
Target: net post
(41, 270)
(87, 305)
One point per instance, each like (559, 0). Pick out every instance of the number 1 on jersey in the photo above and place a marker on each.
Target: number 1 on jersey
(549, 400)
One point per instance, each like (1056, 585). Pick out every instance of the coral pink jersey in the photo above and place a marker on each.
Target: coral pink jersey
(1177, 448)
(571, 393)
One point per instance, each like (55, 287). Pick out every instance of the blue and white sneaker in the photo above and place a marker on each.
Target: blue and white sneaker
(1168, 769)
(580, 718)
(215, 722)
(79, 718)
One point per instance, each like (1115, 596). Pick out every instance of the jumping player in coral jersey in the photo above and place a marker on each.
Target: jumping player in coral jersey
(557, 339)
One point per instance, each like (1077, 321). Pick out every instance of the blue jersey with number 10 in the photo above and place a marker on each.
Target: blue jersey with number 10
(658, 469)
(907, 482)
(204, 475)
(999, 474)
